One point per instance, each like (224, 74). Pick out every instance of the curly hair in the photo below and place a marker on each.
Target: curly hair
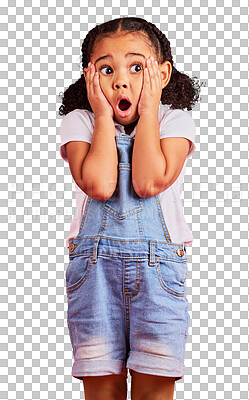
(181, 92)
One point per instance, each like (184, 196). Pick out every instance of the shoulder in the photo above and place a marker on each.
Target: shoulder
(175, 121)
(78, 117)
(77, 125)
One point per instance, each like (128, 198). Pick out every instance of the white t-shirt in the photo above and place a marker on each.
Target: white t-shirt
(78, 125)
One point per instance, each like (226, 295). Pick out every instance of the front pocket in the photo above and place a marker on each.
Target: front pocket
(77, 272)
(124, 201)
(172, 275)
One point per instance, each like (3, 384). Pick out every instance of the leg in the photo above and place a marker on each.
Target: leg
(151, 387)
(108, 387)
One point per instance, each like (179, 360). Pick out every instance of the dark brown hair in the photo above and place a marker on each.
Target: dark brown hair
(181, 91)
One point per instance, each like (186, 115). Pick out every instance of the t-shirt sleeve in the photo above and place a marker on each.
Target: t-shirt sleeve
(75, 126)
(178, 123)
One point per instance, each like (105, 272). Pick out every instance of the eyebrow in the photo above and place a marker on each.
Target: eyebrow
(128, 54)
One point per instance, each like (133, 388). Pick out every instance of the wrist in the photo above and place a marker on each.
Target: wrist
(104, 117)
(152, 113)
(150, 116)
(104, 124)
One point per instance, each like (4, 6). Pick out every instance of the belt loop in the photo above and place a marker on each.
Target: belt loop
(95, 249)
(152, 260)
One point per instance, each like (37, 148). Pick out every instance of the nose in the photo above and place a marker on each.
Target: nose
(120, 83)
(120, 80)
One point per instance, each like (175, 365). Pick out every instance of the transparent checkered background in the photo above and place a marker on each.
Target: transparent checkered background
(40, 57)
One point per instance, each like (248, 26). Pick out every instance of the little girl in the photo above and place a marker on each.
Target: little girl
(126, 278)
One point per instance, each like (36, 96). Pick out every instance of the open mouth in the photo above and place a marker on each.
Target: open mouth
(124, 105)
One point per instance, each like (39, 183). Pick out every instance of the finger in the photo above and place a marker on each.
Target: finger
(155, 78)
(157, 68)
(96, 81)
(146, 77)
(88, 76)
(157, 72)
(153, 71)
(150, 72)
(92, 83)
(97, 91)
(92, 72)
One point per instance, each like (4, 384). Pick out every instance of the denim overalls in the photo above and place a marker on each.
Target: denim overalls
(126, 285)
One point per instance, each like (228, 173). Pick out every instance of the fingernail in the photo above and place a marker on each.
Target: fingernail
(152, 57)
(89, 63)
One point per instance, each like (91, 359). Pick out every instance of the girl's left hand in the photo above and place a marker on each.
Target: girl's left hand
(152, 89)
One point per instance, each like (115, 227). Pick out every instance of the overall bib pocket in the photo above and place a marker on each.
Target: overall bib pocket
(77, 272)
(172, 275)
(124, 201)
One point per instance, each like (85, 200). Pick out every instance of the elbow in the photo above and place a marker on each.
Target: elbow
(94, 191)
(152, 189)
(102, 195)
(141, 191)
(146, 193)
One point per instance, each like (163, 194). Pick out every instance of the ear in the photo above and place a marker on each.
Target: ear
(84, 72)
(166, 70)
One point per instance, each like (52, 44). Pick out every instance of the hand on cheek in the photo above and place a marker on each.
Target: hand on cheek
(99, 103)
(152, 88)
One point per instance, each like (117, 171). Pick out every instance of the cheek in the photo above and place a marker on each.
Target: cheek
(102, 83)
(105, 87)
(139, 84)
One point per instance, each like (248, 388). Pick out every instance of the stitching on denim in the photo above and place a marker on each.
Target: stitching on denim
(128, 317)
(80, 282)
(89, 200)
(126, 241)
(172, 259)
(123, 139)
(95, 250)
(164, 286)
(125, 166)
(152, 260)
(121, 216)
(163, 222)
(115, 255)
(127, 321)
(137, 288)
(139, 223)
(103, 224)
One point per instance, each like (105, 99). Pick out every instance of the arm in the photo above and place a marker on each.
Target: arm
(148, 162)
(156, 163)
(100, 168)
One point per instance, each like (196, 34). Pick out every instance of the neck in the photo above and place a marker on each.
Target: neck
(129, 128)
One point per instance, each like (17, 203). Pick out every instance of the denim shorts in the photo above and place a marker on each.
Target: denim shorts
(126, 286)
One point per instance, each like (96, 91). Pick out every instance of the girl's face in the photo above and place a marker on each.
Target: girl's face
(121, 70)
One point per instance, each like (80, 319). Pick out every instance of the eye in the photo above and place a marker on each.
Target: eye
(104, 66)
(139, 65)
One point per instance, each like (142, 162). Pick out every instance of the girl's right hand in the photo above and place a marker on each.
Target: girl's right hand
(99, 103)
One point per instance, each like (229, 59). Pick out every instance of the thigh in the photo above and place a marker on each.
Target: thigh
(145, 386)
(96, 318)
(106, 387)
(159, 321)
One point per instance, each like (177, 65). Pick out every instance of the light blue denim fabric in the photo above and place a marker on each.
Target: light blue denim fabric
(126, 285)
